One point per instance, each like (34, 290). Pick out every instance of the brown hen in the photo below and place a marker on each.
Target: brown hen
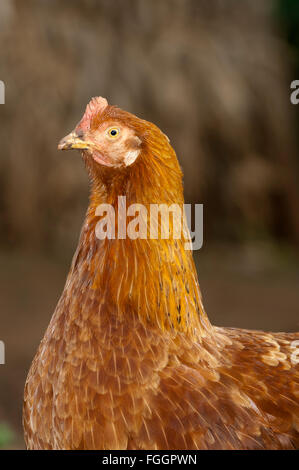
(130, 360)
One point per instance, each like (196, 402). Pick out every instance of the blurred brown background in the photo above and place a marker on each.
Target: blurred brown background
(215, 76)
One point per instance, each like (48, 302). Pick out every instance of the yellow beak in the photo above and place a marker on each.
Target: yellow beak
(72, 141)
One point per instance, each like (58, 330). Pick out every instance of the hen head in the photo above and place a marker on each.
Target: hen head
(110, 136)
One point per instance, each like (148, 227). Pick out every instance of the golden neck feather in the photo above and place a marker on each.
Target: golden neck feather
(154, 279)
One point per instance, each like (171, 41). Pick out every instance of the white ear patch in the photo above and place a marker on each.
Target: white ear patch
(131, 156)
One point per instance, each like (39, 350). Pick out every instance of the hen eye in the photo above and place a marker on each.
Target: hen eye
(113, 132)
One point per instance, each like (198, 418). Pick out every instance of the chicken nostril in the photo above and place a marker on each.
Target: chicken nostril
(80, 133)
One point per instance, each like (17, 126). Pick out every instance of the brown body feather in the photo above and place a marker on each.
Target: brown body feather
(130, 360)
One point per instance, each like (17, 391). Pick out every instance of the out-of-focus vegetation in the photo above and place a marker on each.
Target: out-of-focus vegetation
(288, 15)
(6, 435)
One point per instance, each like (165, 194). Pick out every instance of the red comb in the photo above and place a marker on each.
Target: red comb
(96, 105)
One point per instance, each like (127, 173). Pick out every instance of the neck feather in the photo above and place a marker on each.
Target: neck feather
(154, 279)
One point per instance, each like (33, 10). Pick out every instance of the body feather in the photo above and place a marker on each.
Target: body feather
(130, 359)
